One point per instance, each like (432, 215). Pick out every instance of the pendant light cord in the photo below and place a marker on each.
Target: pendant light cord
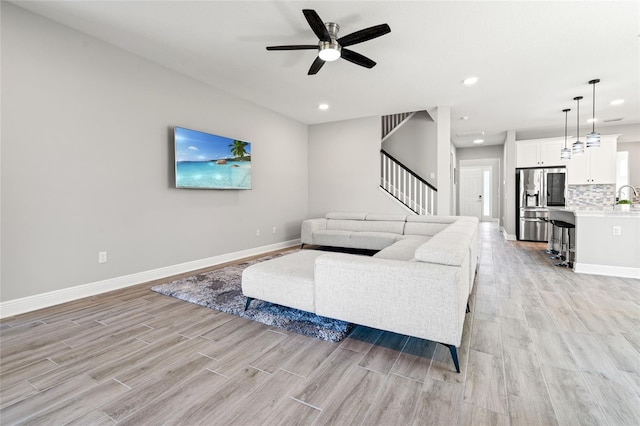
(566, 118)
(593, 116)
(578, 118)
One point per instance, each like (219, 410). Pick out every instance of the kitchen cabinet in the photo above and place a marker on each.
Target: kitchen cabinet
(596, 165)
(539, 152)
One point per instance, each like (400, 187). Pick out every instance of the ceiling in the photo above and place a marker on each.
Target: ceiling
(531, 58)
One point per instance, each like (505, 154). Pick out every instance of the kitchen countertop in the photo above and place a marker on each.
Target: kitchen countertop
(605, 212)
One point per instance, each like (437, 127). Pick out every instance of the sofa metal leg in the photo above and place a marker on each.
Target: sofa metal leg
(454, 355)
(468, 310)
(302, 246)
(246, 306)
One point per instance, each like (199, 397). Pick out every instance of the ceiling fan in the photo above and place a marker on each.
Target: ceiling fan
(330, 47)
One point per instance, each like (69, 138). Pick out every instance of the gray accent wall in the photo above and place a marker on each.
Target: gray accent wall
(415, 145)
(87, 163)
(344, 168)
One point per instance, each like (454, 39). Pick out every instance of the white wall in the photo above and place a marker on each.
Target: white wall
(344, 168)
(415, 145)
(508, 217)
(87, 163)
(633, 148)
(446, 161)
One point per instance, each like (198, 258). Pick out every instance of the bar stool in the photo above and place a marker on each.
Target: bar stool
(567, 252)
(556, 254)
(550, 249)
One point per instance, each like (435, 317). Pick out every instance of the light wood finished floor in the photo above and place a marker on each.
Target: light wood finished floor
(542, 346)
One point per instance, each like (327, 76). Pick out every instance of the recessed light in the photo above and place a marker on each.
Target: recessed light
(617, 102)
(323, 107)
(464, 117)
(478, 141)
(592, 120)
(470, 81)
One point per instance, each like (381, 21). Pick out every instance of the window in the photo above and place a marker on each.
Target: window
(486, 191)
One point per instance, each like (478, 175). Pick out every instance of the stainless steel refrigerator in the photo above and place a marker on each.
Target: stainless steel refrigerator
(536, 190)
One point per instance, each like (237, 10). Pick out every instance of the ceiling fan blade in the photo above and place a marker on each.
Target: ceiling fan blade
(364, 35)
(316, 24)
(315, 66)
(294, 47)
(357, 58)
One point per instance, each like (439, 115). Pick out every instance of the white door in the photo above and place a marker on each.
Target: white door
(471, 192)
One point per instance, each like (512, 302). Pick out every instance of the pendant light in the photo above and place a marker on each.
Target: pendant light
(565, 153)
(578, 146)
(593, 138)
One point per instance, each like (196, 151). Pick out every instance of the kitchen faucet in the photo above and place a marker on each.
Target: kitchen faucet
(635, 193)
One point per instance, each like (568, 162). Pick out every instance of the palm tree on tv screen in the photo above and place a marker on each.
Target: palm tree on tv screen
(237, 149)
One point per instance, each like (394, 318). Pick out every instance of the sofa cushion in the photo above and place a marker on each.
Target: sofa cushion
(432, 219)
(402, 250)
(462, 228)
(345, 224)
(346, 215)
(371, 240)
(423, 228)
(445, 249)
(286, 280)
(393, 227)
(387, 217)
(334, 238)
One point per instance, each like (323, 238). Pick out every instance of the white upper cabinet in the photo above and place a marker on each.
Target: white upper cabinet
(596, 165)
(539, 152)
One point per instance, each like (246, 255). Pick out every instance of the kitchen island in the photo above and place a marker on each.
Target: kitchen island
(606, 242)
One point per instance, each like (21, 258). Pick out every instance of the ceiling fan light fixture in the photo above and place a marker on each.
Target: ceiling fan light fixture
(329, 50)
(330, 47)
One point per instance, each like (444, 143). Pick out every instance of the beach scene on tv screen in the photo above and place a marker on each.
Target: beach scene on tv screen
(208, 161)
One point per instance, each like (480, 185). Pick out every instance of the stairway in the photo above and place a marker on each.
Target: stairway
(393, 121)
(400, 182)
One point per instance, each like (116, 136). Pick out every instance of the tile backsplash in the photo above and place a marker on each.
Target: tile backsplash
(590, 197)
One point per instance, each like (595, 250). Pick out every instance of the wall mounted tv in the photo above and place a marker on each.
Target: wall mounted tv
(207, 161)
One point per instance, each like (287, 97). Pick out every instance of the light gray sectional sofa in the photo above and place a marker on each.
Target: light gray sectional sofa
(396, 236)
(417, 284)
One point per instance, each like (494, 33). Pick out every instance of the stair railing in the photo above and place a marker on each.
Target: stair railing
(392, 122)
(406, 186)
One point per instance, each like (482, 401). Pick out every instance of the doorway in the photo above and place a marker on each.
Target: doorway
(476, 194)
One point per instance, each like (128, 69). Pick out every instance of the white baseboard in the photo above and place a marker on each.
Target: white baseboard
(507, 236)
(612, 271)
(45, 300)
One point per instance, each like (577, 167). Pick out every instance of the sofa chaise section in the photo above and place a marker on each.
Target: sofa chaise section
(417, 284)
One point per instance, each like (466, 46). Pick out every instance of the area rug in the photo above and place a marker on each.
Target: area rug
(221, 290)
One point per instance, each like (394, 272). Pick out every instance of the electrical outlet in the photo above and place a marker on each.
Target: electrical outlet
(102, 257)
(274, 230)
(617, 230)
(257, 232)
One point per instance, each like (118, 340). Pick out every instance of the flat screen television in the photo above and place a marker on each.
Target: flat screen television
(207, 161)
